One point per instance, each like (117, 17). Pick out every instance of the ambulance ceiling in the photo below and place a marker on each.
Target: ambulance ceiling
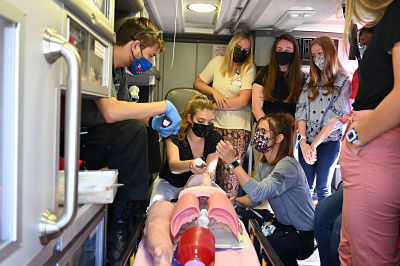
(233, 15)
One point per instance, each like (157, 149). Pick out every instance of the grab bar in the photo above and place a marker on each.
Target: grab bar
(54, 47)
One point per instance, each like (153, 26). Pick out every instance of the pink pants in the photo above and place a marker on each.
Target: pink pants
(371, 200)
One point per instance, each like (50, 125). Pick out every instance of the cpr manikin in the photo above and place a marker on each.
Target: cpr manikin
(199, 211)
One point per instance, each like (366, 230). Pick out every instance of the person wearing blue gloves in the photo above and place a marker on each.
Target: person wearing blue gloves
(114, 131)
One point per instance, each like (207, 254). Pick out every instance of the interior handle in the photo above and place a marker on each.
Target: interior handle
(54, 47)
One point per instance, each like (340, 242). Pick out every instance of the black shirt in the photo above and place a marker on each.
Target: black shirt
(279, 93)
(185, 153)
(376, 67)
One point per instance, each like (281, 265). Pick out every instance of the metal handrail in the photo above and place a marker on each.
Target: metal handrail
(54, 47)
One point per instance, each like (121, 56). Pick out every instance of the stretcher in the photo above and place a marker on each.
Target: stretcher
(235, 257)
(203, 207)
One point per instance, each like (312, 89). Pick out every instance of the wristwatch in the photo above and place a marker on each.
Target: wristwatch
(352, 137)
(300, 137)
(234, 164)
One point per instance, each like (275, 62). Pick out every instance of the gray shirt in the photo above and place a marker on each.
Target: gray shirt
(286, 188)
(319, 112)
(119, 89)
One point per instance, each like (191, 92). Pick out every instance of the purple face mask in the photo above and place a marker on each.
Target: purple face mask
(260, 143)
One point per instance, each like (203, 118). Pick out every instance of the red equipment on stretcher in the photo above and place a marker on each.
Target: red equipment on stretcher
(207, 230)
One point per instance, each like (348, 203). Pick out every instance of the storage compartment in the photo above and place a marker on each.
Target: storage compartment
(93, 186)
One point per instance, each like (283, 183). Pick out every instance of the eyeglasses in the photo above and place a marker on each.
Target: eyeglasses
(134, 38)
(243, 50)
(263, 131)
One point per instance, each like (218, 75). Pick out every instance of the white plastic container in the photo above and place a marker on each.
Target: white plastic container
(93, 186)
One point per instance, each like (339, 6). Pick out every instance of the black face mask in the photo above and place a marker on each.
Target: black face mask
(284, 58)
(239, 55)
(201, 130)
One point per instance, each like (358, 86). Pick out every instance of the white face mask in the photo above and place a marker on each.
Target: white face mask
(319, 62)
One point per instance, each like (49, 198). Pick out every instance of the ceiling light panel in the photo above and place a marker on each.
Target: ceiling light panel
(203, 8)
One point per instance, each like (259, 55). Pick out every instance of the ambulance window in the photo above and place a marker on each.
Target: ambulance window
(10, 36)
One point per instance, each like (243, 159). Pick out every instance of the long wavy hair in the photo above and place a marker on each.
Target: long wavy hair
(293, 75)
(285, 124)
(198, 102)
(228, 57)
(367, 12)
(332, 66)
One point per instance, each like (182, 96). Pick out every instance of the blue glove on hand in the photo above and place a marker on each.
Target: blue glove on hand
(157, 124)
(174, 116)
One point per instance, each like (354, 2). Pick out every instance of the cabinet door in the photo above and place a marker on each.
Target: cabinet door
(183, 71)
(33, 99)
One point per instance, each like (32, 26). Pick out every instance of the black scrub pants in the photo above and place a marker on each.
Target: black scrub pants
(124, 146)
(290, 244)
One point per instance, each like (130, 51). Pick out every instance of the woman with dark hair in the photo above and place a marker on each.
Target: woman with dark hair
(326, 95)
(278, 85)
(280, 179)
(231, 76)
(196, 139)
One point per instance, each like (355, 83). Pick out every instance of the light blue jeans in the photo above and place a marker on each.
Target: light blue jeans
(163, 190)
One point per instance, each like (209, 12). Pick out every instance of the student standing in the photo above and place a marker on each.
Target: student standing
(370, 159)
(231, 77)
(278, 85)
(326, 95)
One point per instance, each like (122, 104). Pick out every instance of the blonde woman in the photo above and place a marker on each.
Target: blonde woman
(196, 139)
(370, 158)
(231, 77)
(326, 95)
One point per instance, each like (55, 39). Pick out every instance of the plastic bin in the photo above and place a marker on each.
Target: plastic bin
(93, 186)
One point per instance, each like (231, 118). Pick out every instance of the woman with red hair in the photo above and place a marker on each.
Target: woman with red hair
(325, 95)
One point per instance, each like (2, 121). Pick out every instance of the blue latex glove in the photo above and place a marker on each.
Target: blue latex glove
(174, 116)
(157, 124)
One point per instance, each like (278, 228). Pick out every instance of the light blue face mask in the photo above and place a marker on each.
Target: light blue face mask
(319, 62)
(362, 50)
(142, 65)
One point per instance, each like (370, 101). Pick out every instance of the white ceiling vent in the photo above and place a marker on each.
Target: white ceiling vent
(292, 18)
